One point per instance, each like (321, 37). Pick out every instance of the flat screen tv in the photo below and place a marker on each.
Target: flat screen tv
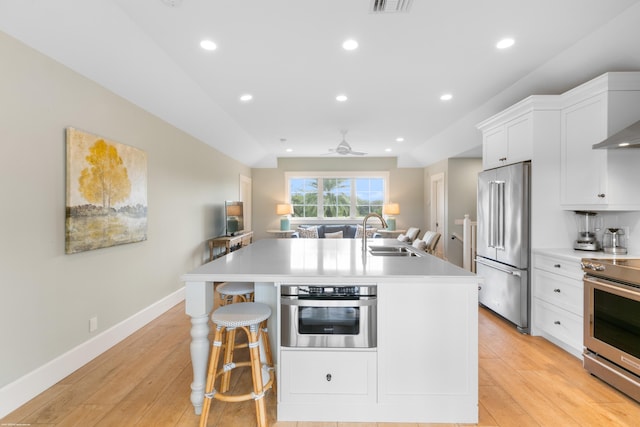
(233, 218)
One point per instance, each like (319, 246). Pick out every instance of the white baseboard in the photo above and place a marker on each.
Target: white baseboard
(17, 393)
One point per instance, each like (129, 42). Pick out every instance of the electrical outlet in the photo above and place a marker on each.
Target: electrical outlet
(93, 324)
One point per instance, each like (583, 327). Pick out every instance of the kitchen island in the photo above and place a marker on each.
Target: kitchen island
(425, 366)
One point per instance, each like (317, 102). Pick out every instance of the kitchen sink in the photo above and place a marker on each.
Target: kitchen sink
(391, 251)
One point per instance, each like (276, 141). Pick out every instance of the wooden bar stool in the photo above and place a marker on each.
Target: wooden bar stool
(229, 290)
(252, 318)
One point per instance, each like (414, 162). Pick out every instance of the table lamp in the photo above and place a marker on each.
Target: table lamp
(285, 210)
(391, 209)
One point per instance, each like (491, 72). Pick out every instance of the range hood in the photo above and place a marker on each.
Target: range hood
(628, 137)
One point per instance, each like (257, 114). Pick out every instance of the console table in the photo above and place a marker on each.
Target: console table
(281, 233)
(229, 243)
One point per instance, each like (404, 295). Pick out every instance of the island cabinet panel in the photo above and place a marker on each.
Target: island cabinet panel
(428, 351)
(328, 376)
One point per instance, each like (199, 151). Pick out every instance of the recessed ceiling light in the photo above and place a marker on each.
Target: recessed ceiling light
(446, 97)
(172, 3)
(289, 150)
(399, 139)
(350, 44)
(341, 98)
(505, 43)
(246, 97)
(388, 150)
(208, 45)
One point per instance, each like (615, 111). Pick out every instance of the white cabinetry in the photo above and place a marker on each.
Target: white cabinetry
(425, 368)
(599, 179)
(428, 342)
(331, 377)
(508, 137)
(557, 312)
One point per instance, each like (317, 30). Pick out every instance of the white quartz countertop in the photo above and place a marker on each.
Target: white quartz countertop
(277, 260)
(575, 255)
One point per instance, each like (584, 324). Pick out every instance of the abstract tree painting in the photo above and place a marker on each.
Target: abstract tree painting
(106, 193)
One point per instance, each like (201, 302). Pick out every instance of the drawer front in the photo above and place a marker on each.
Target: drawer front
(561, 324)
(559, 290)
(555, 265)
(327, 376)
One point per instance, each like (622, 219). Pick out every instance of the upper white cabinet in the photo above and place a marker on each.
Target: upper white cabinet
(600, 179)
(509, 136)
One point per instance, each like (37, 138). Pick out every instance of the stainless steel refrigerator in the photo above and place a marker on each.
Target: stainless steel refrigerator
(503, 249)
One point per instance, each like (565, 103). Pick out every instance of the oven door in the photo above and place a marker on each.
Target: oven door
(612, 322)
(328, 323)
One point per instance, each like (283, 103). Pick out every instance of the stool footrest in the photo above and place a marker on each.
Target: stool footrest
(227, 397)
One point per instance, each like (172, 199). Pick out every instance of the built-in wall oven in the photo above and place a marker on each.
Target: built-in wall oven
(612, 322)
(328, 316)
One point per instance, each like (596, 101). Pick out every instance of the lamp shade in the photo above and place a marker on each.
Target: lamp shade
(234, 210)
(284, 209)
(391, 209)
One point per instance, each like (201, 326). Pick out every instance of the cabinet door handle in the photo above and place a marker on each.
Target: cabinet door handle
(502, 159)
(601, 195)
(557, 322)
(556, 290)
(557, 265)
(328, 377)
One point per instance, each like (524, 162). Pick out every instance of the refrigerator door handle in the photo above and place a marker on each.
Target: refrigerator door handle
(493, 211)
(499, 244)
(504, 270)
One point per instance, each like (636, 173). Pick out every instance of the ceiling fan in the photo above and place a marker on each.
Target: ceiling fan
(345, 149)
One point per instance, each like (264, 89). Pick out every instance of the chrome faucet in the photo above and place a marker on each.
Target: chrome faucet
(364, 228)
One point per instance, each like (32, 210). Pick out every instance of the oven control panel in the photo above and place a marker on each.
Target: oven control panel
(328, 291)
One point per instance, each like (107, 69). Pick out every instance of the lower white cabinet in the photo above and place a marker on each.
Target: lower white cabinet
(424, 370)
(330, 377)
(558, 295)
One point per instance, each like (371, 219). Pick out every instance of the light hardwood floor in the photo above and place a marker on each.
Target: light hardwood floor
(144, 381)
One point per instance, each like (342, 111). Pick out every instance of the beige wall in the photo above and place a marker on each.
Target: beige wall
(47, 297)
(405, 188)
(460, 194)
(462, 189)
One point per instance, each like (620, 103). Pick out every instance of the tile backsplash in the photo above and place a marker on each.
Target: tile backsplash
(629, 222)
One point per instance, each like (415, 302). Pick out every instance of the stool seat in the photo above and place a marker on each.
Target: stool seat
(235, 288)
(230, 290)
(241, 314)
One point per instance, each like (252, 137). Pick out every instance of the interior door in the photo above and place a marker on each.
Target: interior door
(437, 209)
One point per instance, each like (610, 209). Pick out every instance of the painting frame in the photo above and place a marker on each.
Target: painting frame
(106, 192)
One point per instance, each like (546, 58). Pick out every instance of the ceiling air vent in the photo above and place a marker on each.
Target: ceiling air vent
(390, 6)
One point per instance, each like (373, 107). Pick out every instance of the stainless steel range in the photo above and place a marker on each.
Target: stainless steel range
(612, 322)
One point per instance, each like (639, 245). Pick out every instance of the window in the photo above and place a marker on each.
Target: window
(344, 195)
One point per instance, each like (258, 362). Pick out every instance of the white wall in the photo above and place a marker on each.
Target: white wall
(47, 297)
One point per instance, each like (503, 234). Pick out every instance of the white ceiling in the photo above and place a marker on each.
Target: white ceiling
(288, 54)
